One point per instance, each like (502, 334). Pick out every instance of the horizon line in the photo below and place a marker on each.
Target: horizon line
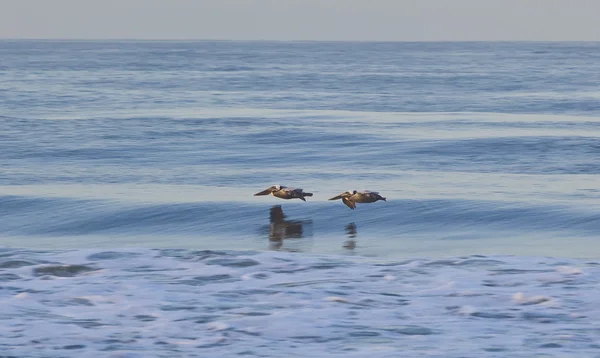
(259, 40)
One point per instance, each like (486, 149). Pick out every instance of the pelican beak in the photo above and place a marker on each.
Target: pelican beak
(336, 197)
(383, 199)
(264, 192)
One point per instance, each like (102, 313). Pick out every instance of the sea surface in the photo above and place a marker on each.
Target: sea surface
(128, 225)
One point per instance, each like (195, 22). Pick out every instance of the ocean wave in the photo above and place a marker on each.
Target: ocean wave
(315, 225)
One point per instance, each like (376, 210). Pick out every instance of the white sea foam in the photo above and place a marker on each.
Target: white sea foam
(165, 303)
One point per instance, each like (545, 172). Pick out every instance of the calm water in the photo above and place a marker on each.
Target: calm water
(128, 226)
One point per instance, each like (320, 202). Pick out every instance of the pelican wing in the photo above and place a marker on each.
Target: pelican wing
(349, 203)
(294, 193)
(342, 195)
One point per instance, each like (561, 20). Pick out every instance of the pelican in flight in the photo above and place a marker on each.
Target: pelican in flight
(351, 197)
(284, 192)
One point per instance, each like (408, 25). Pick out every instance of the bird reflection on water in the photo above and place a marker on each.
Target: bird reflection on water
(280, 228)
(351, 232)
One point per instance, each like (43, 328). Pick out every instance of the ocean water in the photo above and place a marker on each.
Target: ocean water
(128, 225)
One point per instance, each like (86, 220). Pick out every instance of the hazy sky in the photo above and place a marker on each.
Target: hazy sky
(385, 20)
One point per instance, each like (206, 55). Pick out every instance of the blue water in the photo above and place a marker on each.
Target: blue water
(126, 167)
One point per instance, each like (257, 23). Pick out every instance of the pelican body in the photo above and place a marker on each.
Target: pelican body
(351, 197)
(284, 192)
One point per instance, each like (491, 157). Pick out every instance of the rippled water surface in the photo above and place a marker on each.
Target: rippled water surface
(129, 226)
(217, 303)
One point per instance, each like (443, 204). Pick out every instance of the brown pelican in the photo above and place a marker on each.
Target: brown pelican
(284, 192)
(351, 197)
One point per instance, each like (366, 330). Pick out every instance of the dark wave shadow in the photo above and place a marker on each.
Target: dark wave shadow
(281, 228)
